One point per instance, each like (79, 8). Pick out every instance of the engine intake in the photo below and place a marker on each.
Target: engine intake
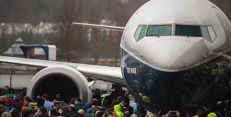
(62, 82)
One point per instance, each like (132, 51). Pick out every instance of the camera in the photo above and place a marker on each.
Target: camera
(172, 113)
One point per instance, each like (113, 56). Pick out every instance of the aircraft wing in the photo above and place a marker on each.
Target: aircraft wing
(106, 73)
(116, 28)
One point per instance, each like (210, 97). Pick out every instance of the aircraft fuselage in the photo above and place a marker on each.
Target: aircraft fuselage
(170, 55)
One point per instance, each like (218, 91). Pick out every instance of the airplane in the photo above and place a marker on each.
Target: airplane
(174, 56)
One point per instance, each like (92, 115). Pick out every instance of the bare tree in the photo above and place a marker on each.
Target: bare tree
(66, 15)
(98, 44)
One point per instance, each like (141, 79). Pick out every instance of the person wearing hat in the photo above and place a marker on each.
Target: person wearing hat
(82, 112)
(79, 105)
(9, 102)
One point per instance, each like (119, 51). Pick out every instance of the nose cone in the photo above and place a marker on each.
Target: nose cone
(174, 54)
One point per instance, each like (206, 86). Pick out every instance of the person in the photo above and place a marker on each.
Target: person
(27, 100)
(29, 110)
(6, 114)
(97, 96)
(110, 97)
(17, 104)
(176, 112)
(212, 114)
(119, 99)
(151, 115)
(99, 114)
(16, 109)
(41, 112)
(58, 107)
(79, 105)
(88, 105)
(2, 109)
(9, 102)
(47, 104)
(54, 113)
(71, 110)
(3, 100)
(133, 115)
(126, 108)
(6, 91)
(40, 101)
(140, 110)
(82, 112)
(118, 111)
(34, 110)
(93, 109)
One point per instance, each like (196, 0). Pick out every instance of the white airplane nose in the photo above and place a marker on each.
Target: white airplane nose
(174, 54)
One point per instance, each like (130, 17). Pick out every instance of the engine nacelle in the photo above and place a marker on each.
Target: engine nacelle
(62, 82)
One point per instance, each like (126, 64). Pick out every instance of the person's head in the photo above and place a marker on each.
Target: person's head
(17, 100)
(82, 112)
(106, 103)
(99, 114)
(151, 115)
(119, 99)
(63, 103)
(97, 91)
(6, 88)
(78, 100)
(71, 107)
(54, 112)
(88, 105)
(114, 102)
(175, 113)
(27, 99)
(212, 114)
(2, 108)
(3, 99)
(58, 105)
(94, 102)
(72, 101)
(124, 102)
(32, 105)
(134, 115)
(9, 102)
(11, 96)
(76, 114)
(11, 90)
(41, 111)
(45, 97)
(6, 114)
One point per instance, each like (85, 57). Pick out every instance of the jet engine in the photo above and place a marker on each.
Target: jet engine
(59, 82)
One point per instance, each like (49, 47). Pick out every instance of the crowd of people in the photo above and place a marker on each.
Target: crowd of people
(20, 105)
(112, 105)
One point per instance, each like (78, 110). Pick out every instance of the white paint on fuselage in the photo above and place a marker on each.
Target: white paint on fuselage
(172, 52)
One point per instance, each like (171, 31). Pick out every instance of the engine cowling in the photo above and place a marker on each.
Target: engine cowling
(62, 82)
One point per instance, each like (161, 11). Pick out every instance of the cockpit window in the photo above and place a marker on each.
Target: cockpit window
(212, 33)
(205, 33)
(187, 30)
(208, 33)
(159, 30)
(140, 32)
